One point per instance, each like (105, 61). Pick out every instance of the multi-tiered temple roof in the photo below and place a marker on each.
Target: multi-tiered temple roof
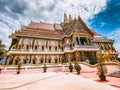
(68, 41)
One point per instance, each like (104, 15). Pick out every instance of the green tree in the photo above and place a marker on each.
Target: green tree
(44, 68)
(101, 67)
(71, 67)
(2, 50)
(19, 68)
(102, 70)
(77, 68)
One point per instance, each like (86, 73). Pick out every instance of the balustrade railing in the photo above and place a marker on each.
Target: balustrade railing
(87, 46)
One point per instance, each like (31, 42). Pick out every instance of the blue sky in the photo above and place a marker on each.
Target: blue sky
(101, 15)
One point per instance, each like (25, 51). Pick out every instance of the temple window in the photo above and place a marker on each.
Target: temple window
(36, 47)
(14, 46)
(19, 46)
(83, 40)
(16, 62)
(42, 47)
(49, 60)
(71, 45)
(27, 46)
(62, 48)
(41, 61)
(55, 48)
(25, 62)
(56, 60)
(49, 47)
(33, 61)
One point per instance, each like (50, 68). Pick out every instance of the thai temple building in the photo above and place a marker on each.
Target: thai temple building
(68, 41)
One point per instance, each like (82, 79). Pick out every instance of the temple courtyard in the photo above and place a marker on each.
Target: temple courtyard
(56, 79)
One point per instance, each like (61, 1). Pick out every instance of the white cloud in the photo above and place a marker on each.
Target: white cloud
(16, 14)
(115, 35)
(102, 24)
(52, 10)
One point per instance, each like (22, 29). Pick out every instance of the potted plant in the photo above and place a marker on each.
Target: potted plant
(18, 68)
(77, 68)
(44, 68)
(71, 67)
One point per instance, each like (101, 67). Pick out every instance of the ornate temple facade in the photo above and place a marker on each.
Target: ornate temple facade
(69, 41)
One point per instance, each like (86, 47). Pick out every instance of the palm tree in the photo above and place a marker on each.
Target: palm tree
(102, 69)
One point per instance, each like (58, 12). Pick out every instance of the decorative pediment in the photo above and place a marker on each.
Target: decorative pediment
(77, 25)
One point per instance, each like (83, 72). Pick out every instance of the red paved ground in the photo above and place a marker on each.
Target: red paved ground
(86, 73)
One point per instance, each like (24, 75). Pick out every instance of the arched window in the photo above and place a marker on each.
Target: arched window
(81, 40)
(36, 46)
(19, 46)
(62, 47)
(10, 62)
(27, 46)
(42, 47)
(85, 40)
(50, 48)
(41, 59)
(34, 60)
(56, 60)
(55, 48)
(25, 60)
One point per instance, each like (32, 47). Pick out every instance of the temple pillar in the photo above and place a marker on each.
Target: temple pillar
(77, 56)
(82, 53)
(79, 41)
(93, 57)
(59, 58)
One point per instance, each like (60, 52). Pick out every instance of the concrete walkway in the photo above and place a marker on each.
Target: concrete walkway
(50, 81)
(10, 81)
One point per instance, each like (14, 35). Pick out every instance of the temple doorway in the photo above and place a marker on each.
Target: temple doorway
(49, 61)
(41, 61)
(55, 61)
(33, 61)
(16, 62)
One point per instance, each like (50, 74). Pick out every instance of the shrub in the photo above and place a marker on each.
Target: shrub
(44, 68)
(77, 68)
(71, 67)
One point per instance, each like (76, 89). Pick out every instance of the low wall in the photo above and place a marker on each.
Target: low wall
(111, 67)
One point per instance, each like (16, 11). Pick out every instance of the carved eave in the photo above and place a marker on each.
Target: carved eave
(102, 39)
(13, 36)
(40, 37)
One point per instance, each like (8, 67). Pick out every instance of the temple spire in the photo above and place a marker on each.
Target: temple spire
(70, 18)
(79, 18)
(65, 17)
